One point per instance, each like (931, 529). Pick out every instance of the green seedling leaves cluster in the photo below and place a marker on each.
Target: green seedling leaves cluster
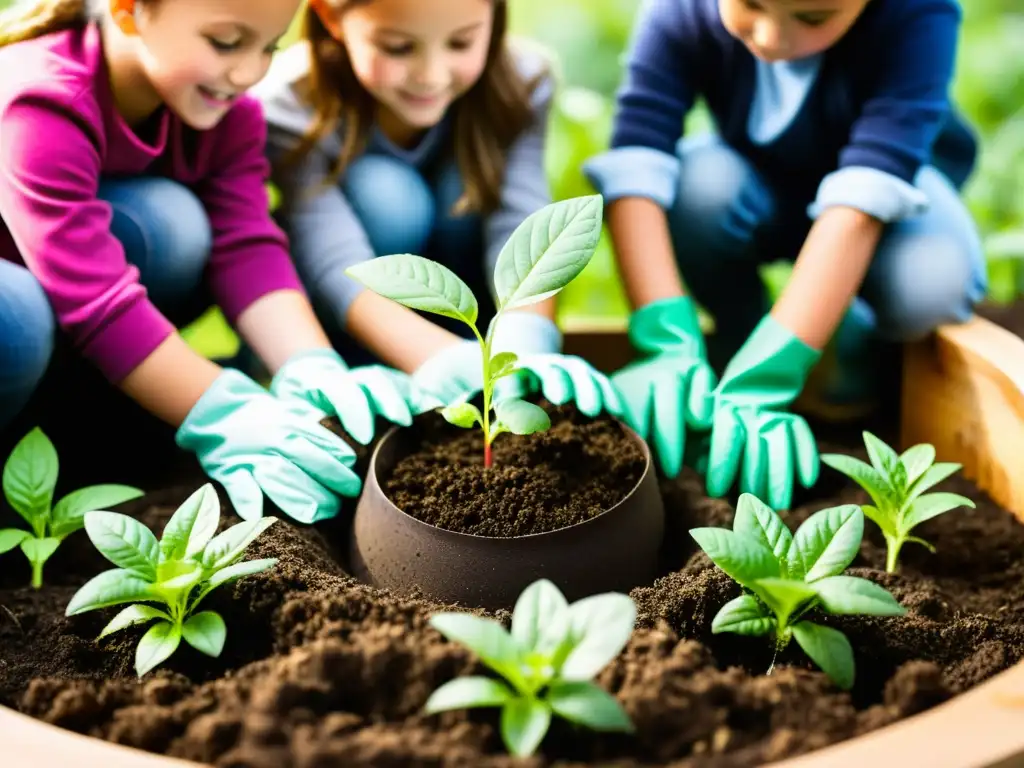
(548, 661)
(166, 580)
(787, 575)
(896, 484)
(544, 254)
(29, 481)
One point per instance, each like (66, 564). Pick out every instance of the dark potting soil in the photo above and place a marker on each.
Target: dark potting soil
(565, 475)
(319, 670)
(1009, 316)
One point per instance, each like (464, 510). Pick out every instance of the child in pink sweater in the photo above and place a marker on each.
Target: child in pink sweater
(132, 179)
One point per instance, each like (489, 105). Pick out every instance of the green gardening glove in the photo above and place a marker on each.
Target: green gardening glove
(254, 444)
(669, 391)
(322, 379)
(752, 435)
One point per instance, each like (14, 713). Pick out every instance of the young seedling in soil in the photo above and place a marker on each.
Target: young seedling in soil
(897, 484)
(544, 254)
(789, 575)
(29, 480)
(177, 573)
(548, 661)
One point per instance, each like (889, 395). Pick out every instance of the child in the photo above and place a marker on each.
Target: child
(131, 167)
(409, 126)
(836, 147)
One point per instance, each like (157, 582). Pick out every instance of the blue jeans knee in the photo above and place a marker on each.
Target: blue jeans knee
(393, 203)
(166, 234)
(457, 238)
(27, 337)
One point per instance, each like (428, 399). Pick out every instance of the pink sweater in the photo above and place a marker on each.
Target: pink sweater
(59, 134)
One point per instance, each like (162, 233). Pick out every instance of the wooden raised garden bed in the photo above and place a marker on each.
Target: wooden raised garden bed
(319, 670)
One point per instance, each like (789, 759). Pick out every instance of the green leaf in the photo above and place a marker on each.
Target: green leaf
(39, 550)
(917, 459)
(418, 283)
(862, 474)
(30, 475)
(69, 513)
(521, 417)
(849, 595)
(547, 251)
(885, 461)
(756, 519)
(743, 616)
(124, 541)
(827, 542)
(932, 505)
(191, 526)
(11, 538)
(743, 558)
(784, 596)
(502, 362)
(829, 649)
(229, 546)
(886, 522)
(109, 588)
(922, 542)
(524, 723)
(588, 705)
(484, 637)
(205, 632)
(467, 693)
(178, 575)
(133, 614)
(464, 415)
(600, 628)
(934, 475)
(156, 646)
(237, 571)
(540, 619)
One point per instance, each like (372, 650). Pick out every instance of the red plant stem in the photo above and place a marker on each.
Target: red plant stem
(488, 456)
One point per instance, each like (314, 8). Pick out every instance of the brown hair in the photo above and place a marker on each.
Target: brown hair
(488, 117)
(42, 18)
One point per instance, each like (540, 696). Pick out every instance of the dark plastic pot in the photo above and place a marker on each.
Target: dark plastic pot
(615, 551)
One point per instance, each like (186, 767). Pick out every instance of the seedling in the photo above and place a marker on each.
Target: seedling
(547, 661)
(789, 575)
(176, 573)
(897, 485)
(29, 480)
(544, 254)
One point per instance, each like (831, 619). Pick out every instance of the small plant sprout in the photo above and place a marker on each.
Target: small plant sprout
(29, 480)
(176, 573)
(897, 484)
(544, 254)
(789, 575)
(547, 661)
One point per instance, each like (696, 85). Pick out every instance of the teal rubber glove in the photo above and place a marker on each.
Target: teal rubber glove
(455, 373)
(668, 392)
(356, 396)
(752, 435)
(254, 444)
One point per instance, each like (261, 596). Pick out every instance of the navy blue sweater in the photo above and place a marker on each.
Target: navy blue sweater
(879, 101)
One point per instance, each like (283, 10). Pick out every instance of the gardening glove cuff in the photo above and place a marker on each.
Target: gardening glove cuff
(667, 326)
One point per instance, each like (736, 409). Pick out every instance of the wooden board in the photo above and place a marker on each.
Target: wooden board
(964, 393)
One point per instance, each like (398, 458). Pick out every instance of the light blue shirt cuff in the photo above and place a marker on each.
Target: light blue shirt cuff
(635, 172)
(875, 192)
(526, 333)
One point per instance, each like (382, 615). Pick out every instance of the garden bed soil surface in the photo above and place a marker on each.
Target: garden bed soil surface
(319, 670)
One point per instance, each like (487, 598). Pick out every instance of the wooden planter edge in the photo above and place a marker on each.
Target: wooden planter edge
(963, 392)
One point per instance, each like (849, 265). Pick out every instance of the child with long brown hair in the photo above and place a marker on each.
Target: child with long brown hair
(132, 172)
(413, 126)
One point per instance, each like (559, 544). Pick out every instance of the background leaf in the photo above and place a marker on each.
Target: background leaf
(486, 638)
(826, 542)
(829, 649)
(524, 723)
(547, 251)
(863, 474)
(743, 616)
(30, 476)
(192, 525)
(521, 417)
(885, 461)
(419, 283)
(124, 541)
(743, 558)
(601, 626)
(588, 705)
(540, 618)
(756, 519)
(468, 692)
(849, 595)
(69, 513)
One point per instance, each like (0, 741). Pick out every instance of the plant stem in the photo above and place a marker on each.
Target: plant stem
(893, 554)
(488, 455)
(37, 574)
(485, 349)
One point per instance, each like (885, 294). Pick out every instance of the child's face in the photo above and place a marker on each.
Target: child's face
(777, 30)
(200, 55)
(416, 57)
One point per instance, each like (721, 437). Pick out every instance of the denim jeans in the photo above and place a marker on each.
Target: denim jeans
(164, 231)
(727, 221)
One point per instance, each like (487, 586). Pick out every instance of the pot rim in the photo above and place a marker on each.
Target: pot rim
(373, 483)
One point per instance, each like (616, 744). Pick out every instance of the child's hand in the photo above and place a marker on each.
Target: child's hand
(752, 435)
(669, 391)
(253, 444)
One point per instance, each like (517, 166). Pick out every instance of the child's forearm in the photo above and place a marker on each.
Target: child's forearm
(280, 325)
(644, 254)
(828, 274)
(397, 335)
(171, 380)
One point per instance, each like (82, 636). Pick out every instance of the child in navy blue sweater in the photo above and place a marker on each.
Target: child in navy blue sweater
(835, 146)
